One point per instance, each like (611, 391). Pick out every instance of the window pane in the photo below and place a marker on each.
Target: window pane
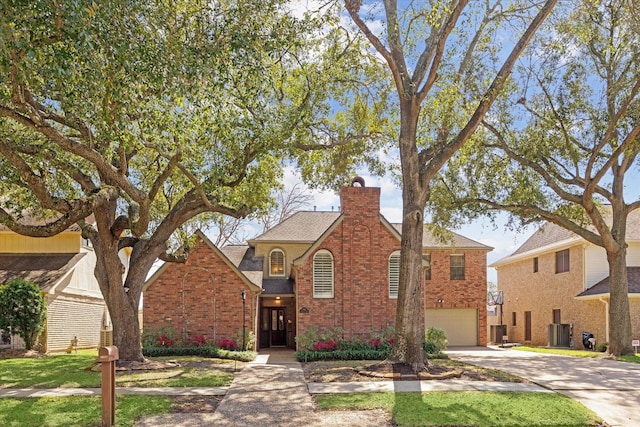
(394, 274)
(457, 267)
(562, 261)
(426, 263)
(276, 263)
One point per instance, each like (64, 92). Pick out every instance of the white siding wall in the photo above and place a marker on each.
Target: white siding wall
(595, 265)
(633, 254)
(68, 317)
(83, 282)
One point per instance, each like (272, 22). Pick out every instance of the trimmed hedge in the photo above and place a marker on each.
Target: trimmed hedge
(349, 351)
(212, 352)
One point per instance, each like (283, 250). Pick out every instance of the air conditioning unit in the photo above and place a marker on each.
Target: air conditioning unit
(106, 337)
(559, 334)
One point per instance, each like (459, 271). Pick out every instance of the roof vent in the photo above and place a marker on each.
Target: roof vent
(357, 180)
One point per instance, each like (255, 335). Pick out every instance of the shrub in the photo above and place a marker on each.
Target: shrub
(204, 351)
(602, 348)
(249, 338)
(199, 340)
(365, 354)
(23, 307)
(227, 344)
(437, 337)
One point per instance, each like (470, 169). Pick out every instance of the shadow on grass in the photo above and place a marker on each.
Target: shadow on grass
(67, 370)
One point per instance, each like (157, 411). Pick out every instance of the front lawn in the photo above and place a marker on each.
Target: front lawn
(77, 411)
(468, 408)
(73, 370)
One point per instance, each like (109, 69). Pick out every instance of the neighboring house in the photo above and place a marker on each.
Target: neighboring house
(319, 270)
(62, 266)
(558, 278)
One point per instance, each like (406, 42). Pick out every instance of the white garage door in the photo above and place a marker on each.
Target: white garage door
(459, 324)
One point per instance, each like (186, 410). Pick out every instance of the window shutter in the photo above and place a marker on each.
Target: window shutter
(394, 274)
(323, 275)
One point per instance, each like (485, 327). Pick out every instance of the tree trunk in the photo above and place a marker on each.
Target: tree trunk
(409, 331)
(619, 317)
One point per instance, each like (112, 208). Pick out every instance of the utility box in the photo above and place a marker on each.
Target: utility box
(496, 333)
(559, 334)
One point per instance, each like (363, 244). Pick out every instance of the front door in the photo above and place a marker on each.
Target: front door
(278, 332)
(273, 331)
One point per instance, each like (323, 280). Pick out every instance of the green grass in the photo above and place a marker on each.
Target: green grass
(575, 353)
(179, 377)
(468, 408)
(77, 411)
(63, 370)
(70, 370)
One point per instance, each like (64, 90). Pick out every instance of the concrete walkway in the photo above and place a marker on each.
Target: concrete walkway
(271, 391)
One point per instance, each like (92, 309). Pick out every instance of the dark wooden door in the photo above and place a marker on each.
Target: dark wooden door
(278, 331)
(527, 326)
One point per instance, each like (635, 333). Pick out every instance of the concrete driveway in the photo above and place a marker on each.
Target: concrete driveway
(611, 389)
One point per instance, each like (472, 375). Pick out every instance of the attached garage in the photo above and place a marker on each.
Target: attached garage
(459, 324)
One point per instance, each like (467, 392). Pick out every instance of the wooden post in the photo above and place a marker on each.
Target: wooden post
(107, 357)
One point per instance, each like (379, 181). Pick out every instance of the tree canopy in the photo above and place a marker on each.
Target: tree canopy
(131, 118)
(563, 145)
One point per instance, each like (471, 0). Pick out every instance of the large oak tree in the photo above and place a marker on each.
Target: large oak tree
(448, 61)
(131, 118)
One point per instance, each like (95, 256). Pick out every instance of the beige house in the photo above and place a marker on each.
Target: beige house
(556, 286)
(62, 266)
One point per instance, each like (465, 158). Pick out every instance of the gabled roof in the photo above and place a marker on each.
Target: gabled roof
(553, 237)
(253, 282)
(602, 288)
(453, 240)
(46, 270)
(28, 219)
(301, 227)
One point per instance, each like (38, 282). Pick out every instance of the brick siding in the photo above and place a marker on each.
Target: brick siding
(199, 297)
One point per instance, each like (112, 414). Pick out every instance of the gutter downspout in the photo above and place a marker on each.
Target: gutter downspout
(606, 317)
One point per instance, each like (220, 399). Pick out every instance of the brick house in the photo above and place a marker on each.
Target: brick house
(558, 278)
(322, 270)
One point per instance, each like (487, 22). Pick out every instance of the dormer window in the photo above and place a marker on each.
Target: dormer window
(276, 263)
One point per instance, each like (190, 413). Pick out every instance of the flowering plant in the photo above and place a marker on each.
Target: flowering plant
(228, 344)
(199, 339)
(374, 343)
(325, 346)
(164, 341)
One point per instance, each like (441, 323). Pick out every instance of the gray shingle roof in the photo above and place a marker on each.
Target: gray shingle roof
(303, 226)
(548, 234)
(603, 288)
(44, 270)
(308, 226)
(277, 286)
(551, 233)
(452, 240)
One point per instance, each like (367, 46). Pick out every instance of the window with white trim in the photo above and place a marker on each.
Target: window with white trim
(276, 263)
(394, 274)
(323, 274)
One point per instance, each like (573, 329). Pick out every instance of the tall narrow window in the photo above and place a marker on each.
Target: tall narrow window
(276, 263)
(457, 267)
(426, 264)
(562, 261)
(323, 274)
(513, 318)
(535, 265)
(394, 274)
(555, 314)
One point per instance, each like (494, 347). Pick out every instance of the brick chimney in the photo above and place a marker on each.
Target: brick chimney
(360, 201)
